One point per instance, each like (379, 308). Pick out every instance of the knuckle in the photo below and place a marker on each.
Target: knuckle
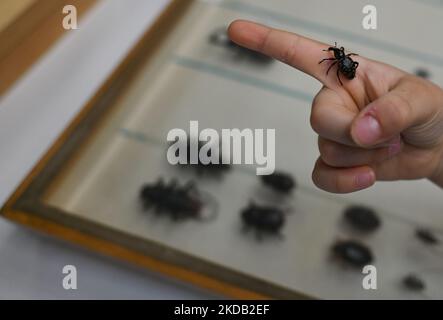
(263, 46)
(399, 110)
(316, 118)
(329, 152)
(290, 55)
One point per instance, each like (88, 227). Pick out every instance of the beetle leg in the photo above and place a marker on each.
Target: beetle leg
(338, 76)
(355, 64)
(330, 67)
(352, 54)
(326, 59)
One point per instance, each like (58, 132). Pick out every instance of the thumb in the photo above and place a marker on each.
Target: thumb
(407, 105)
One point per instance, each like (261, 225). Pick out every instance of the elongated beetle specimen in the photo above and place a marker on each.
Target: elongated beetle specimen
(362, 218)
(346, 65)
(353, 253)
(414, 283)
(263, 219)
(426, 236)
(279, 181)
(221, 38)
(174, 200)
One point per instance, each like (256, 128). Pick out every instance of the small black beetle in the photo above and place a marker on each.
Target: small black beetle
(426, 236)
(414, 283)
(346, 65)
(353, 253)
(279, 181)
(179, 202)
(220, 38)
(422, 73)
(362, 218)
(214, 169)
(264, 219)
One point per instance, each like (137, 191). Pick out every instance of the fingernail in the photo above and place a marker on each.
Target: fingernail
(367, 130)
(364, 180)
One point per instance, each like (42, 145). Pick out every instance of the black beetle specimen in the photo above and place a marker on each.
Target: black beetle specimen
(422, 73)
(362, 218)
(221, 38)
(201, 168)
(279, 181)
(179, 202)
(426, 236)
(414, 283)
(353, 253)
(264, 219)
(346, 65)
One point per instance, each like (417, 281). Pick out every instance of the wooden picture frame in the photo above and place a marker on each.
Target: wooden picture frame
(28, 29)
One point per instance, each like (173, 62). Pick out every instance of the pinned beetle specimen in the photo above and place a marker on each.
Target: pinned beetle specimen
(353, 253)
(203, 168)
(175, 200)
(346, 65)
(422, 73)
(263, 219)
(221, 38)
(426, 236)
(414, 283)
(362, 218)
(279, 181)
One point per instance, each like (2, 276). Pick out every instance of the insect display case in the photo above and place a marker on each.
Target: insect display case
(97, 184)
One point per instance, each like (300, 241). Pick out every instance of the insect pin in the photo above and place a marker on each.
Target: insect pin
(177, 201)
(346, 65)
(263, 219)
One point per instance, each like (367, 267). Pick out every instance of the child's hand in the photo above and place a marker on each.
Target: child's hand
(384, 124)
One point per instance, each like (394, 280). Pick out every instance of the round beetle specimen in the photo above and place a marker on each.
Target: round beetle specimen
(353, 253)
(346, 65)
(279, 181)
(264, 219)
(414, 283)
(178, 202)
(362, 218)
(426, 236)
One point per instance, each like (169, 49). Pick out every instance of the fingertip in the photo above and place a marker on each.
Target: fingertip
(246, 33)
(342, 180)
(364, 179)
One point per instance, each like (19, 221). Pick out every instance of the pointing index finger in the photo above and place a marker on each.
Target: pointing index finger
(302, 53)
